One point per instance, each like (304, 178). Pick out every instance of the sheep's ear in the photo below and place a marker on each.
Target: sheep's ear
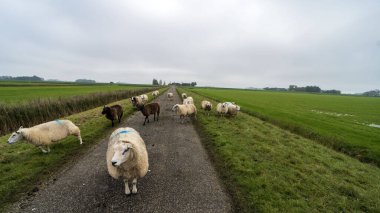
(20, 128)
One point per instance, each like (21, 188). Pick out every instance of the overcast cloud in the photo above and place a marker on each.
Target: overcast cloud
(332, 44)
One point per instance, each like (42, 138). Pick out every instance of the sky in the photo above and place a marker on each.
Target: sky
(333, 44)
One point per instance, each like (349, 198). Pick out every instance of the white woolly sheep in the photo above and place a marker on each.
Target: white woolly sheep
(232, 110)
(188, 100)
(222, 109)
(155, 93)
(170, 96)
(45, 134)
(232, 103)
(137, 100)
(127, 157)
(144, 98)
(184, 95)
(207, 106)
(185, 110)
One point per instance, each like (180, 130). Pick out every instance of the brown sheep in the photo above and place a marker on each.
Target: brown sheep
(112, 113)
(149, 109)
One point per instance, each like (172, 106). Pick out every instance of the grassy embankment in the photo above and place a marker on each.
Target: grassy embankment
(268, 169)
(23, 166)
(339, 122)
(31, 105)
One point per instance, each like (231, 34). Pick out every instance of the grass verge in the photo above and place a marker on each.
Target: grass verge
(42, 110)
(338, 122)
(23, 166)
(268, 169)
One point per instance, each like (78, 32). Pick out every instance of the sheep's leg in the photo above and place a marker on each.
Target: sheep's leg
(154, 116)
(80, 138)
(134, 186)
(77, 133)
(121, 115)
(42, 149)
(127, 191)
(181, 118)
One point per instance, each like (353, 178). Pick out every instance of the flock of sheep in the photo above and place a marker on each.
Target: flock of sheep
(187, 108)
(127, 156)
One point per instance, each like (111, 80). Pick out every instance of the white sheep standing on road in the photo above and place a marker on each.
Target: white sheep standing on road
(170, 96)
(185, 110)
(45, 134)
(127, 157)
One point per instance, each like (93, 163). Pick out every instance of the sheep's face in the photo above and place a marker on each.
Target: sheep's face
(222, 105)
(175, 108)
(134, 101)
(122, 152)
(16, 136)
(106, 110)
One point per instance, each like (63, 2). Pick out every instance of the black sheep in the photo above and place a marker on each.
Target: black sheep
(149, 109)
(112, 113)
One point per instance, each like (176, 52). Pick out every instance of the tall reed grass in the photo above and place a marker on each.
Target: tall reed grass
(46, 109)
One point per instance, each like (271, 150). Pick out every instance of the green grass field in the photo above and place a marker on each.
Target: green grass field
(15, 93)
(29, 104)
(268, 169)
(340, 122)
(23, 166)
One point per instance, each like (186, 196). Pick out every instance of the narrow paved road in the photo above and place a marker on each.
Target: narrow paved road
(181, 179)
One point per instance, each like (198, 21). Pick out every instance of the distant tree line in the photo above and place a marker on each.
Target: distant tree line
(35, 78)
(21, 78)
(312, 89)
(275, 89)
(85, 81)
(163, 83)
(372, 93)
(192, 84)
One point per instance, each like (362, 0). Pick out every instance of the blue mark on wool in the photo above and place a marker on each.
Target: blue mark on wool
(125, 132)
(59, 122)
